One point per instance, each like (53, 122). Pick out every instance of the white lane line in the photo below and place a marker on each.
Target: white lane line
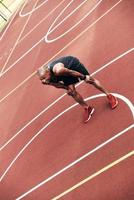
(57, 100)
(14, 47)
(29, 77)
(123, 98)
(33, 10)
(50, 30)
(74, 163)
(23, 54)
(30, 122)
(91, 25)
(27, 34)
(101, 171)
(87, 154)
(3, 34)
(113, 60)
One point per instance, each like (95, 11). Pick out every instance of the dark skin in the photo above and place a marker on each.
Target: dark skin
(60, 70)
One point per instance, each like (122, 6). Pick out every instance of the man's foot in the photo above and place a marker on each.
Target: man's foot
(112, 101)
(88, 113)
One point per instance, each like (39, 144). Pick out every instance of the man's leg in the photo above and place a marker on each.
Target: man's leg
(112, 100)
(97, 84)
(78, 98)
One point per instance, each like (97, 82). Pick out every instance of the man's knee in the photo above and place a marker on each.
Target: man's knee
(94, 81)
(72, 93)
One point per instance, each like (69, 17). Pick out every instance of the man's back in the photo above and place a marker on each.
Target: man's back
(68, 61)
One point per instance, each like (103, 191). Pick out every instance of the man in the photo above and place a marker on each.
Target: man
(64, 73)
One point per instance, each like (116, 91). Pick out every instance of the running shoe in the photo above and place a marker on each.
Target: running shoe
(88, 113)
(112, 101)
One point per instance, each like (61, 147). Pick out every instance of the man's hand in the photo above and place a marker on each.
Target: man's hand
(57, 85)
(69, 91)
(88, 79)
(45, 82)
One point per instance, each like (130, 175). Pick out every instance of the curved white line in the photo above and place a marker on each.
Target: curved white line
(22, 38)
(30, 122)
(50, 30)
(12, 20)
(91, 25)
(33, 10)
(74, 162)
(53, 40)
(2, 70)
(118, 57)
(132, 126)
(26, 1)
(42, 112)
(127, 101)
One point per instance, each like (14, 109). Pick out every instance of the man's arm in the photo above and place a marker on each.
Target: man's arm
(60, 70)
(57, 85)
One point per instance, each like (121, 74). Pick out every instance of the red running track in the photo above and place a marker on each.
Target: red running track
(46, 152)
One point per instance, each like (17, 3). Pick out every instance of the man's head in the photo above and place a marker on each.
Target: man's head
(44, 74)
(41, 72)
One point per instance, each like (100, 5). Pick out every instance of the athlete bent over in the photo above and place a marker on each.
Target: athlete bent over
(64, 73)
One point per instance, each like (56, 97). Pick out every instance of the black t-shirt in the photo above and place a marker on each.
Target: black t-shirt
(71, 63)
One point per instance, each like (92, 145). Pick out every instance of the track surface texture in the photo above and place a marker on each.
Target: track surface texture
(46, 152)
